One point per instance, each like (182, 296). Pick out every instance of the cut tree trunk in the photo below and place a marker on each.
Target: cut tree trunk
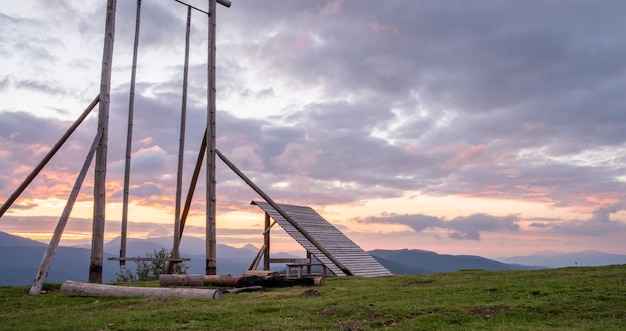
(99, 290)
(237, 281)
(181, 280)
(261, 273)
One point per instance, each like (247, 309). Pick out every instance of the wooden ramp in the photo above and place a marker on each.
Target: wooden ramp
(341, 248)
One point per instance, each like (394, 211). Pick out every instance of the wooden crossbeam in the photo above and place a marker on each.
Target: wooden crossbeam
(180, 259)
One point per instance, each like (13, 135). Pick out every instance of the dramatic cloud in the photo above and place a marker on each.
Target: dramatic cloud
(338, 104)
(463, 228)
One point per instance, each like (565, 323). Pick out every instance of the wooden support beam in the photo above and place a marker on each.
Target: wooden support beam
(150, 259)
(290, 260)
(266, 242)
(192, 185)
(181, 143)
(5, 206)
(282, 213)
(190, 192)
(129, 138)
(257, 258)
(211, 241)
(46, 261)
(99, 191)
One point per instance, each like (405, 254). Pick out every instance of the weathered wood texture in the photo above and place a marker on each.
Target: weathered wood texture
(211, 203)
(129, 137)
(237, 281)
(99, 186)
(284, 215)
(46, 261)
(342, 249)
(261, 273)
(181, 280)
(266, 242)
(181, 143)
(100, 290)
(221, 280)
(245, 289)
(190, 192)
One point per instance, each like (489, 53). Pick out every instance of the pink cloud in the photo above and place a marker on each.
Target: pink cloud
(467, 155)
(298, 157)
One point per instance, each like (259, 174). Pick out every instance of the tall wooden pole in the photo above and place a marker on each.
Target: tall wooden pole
(99, 191)
(181, 144)
(129, 139)
(190, 192)
(211, 242)
(266, 243)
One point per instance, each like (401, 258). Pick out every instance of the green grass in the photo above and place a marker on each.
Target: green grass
(578, 298)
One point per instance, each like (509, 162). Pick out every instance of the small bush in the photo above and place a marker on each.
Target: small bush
(150, 270)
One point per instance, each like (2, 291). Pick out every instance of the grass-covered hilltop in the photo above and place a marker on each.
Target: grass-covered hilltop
(575, 298)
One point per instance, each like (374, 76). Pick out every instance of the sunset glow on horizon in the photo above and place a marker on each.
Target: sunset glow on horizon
(488, 129)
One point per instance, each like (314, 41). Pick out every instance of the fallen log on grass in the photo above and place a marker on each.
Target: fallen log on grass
(245, 289)
(237, 281)
(100, 290)
(199, 280)
(261, 273)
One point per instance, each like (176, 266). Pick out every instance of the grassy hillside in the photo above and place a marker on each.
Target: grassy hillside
(577, 298)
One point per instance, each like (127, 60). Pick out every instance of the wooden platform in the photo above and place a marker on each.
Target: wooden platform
(342, 249)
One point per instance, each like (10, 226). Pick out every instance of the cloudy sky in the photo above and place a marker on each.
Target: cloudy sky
(494, 128)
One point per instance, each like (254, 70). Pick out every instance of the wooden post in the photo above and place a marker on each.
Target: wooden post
(47, 157)
(181, 145)
(99, 290)
(266, 243)
(129, 139)
(97, 239)
(192, 189)
(308, 267)
(211, 242)
(46, 261)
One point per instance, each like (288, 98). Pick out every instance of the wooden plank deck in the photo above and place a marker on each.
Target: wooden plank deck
(342, 249)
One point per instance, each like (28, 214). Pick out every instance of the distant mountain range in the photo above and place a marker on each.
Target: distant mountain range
(550, 259)
(415, 261)
(20, 259)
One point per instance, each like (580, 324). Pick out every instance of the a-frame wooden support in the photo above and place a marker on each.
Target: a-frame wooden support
(323, 240)
(264, 253)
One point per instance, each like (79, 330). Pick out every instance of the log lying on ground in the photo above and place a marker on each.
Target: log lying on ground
(261, 273)
(245, 289)
(100, 290)
(275, 281)
(181, 280)
(223, 280)
(310, 281)
(237, 281)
